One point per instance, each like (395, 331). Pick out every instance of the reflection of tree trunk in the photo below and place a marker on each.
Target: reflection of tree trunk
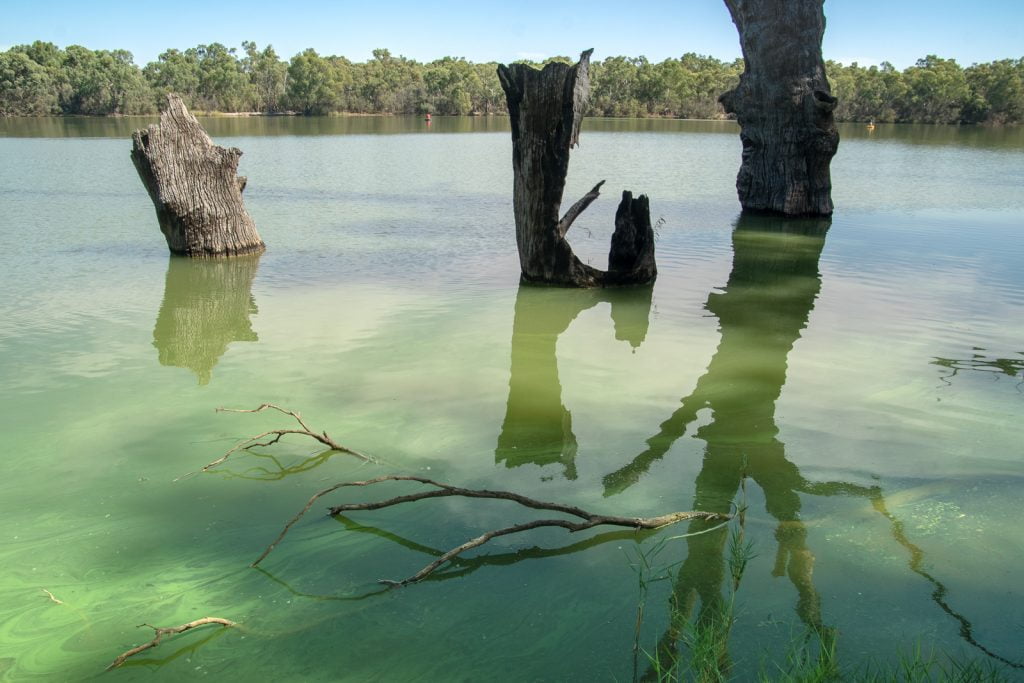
(194, 186)
(762, 310)
(206, 306)
(771, 290)
(545, 110)
(784, 107)
(538, 427)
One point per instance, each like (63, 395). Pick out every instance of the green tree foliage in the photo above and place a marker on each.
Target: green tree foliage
(268, 76)
(936, 91)
(450, 86)
(177, 72)
(997, 91)
(390, 85)
(223, 85)
(101, 82)
(26, 88)
(311, 83)
(41, 78)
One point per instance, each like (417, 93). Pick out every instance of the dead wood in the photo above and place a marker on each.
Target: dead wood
(545, 111)
(784, 106)
(276, 435)
(160, 632)
(194, 186)
(587, 519)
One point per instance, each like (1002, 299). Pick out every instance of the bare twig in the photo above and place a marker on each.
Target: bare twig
(160, 632)
(52, 597)
(439, 490)
(276, 435)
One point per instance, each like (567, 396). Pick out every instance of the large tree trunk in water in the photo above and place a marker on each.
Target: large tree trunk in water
(546, 109)
(194, 186)
(784, 107)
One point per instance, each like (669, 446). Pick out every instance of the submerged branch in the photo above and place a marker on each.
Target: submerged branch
(160, 632)
(440, 490)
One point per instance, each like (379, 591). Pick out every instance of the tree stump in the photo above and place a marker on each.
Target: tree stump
(546, 109)
(194, 186)
(784, 106)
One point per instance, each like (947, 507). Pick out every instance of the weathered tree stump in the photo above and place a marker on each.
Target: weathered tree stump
(546, 109)
(194, 185)
(784, 106)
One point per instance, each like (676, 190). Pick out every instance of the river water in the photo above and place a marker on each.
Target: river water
(857, 384)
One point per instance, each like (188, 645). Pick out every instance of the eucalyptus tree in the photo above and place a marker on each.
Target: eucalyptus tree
(311, 88)
(103, 82)
(26, 88)
(997, 91)
(450, 84)
(223, 85)
(175, 72)
(937, 91)
(268, 76)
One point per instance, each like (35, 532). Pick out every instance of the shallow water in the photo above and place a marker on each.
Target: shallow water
(858, 383)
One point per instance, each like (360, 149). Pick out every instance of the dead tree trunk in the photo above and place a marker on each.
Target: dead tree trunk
(194, 186)
(546, 109)
(784, 107)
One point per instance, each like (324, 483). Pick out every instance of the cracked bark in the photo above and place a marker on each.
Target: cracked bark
(784, 106)
(546, 109)
(194, 186)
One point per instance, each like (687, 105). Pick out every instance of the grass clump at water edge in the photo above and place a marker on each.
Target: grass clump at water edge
(811, 656)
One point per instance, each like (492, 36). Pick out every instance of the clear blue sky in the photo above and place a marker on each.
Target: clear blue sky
(868, 31)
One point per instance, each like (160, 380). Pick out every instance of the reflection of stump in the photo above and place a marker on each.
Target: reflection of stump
(206, 306)
(545, 110)
(538, 427)
(194, 186)
(784, 107)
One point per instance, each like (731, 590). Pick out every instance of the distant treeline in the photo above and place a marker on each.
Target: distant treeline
(42, 79)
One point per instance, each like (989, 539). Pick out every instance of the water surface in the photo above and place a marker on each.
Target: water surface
(857, 382)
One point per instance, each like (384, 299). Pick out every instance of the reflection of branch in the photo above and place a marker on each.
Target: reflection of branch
(252, 441)
(939, 594)
(1004, 366)
(467, 565)
(279, 470)
(313, 596)
(657, 446)
(589, 520)
(160, 632)
(458, 566)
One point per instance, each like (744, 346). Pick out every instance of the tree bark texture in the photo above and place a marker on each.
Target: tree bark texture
(784, 106)
(194, 185)
(545, 110)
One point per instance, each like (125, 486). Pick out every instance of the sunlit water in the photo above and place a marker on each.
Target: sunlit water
(858, 384)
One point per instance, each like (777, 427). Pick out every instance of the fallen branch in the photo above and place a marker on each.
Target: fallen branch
(52, 597)
(276, 435)
(166, 631)
(588, 519)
